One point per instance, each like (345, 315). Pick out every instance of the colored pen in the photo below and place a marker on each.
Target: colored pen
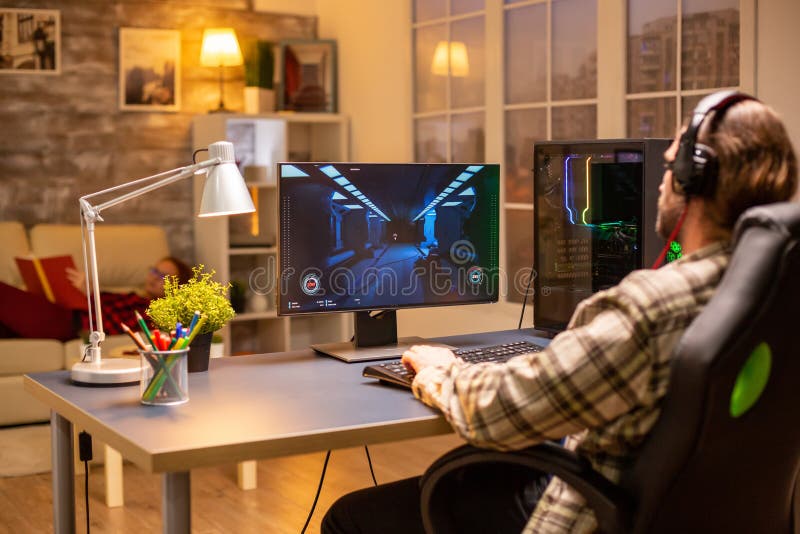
(178, 329)
(146, 330)
(127, 330)
(193, 323)
(193, 333)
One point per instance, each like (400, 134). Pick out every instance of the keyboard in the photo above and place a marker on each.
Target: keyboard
(396, 373)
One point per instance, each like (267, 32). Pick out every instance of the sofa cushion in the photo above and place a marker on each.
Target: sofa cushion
(15, 243)
(19, 406)
(18, 356)
(124, 252)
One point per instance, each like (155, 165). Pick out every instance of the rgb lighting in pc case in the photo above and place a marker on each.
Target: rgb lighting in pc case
(595, 205)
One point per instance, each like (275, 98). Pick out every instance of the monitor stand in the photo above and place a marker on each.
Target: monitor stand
(375, 339)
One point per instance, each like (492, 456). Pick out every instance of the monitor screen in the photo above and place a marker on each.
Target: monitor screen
(370, 236)
(588, 222)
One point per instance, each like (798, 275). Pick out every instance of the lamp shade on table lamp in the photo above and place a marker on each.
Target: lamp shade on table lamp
(220, 48)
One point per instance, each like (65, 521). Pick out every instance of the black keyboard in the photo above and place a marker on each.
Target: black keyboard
(397, 373)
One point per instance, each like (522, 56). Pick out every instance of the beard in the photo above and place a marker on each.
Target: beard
(669, 213)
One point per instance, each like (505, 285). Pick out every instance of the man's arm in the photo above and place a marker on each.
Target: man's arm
(588, 376)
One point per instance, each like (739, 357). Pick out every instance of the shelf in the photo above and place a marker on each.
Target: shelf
(245, 251)
(250, 316)
(263, 140)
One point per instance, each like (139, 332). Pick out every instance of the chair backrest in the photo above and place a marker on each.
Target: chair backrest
(720, 460)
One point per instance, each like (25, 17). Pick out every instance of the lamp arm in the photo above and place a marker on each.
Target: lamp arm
(172, 176)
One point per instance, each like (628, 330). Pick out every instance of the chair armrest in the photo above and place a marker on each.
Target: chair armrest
(610, 503)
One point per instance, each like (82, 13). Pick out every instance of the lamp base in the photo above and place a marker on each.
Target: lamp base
(110, 372)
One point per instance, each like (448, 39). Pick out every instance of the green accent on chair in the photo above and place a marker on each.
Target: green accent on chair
(752, 380)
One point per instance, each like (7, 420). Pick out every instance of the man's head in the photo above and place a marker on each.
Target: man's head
(750, 162)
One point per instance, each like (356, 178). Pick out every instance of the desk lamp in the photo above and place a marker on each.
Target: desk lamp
(224, 194)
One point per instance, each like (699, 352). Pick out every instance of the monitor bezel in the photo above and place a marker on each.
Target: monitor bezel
(278, 269)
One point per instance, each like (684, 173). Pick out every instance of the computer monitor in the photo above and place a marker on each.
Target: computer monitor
(595, 205)
(367, 237)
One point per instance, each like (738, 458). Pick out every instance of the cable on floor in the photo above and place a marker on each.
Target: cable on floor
(319, 489)
(369, 461)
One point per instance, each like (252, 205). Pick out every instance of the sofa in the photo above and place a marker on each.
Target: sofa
(124, 253)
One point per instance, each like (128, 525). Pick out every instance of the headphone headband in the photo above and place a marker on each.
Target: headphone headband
(695, 167)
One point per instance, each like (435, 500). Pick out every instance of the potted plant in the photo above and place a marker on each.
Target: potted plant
(179, 303)
(259, 71)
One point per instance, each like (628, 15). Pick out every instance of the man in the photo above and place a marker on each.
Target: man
(599, 383)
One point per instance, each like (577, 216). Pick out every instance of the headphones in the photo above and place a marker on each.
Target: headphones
(694, 171)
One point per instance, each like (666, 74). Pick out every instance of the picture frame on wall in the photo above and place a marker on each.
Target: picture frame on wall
(307, 75)
(30, 41)
(149, 69)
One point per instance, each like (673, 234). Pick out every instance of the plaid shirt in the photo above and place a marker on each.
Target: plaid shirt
(118, 308)
(600, 382)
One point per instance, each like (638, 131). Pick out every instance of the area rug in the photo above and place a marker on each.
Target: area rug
(24, 450)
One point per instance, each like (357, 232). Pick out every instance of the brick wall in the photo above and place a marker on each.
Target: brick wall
(63, 135)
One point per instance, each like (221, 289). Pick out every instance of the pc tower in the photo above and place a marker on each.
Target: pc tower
(595, 206)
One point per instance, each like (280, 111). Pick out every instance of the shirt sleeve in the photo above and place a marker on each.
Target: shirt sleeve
(587, 376)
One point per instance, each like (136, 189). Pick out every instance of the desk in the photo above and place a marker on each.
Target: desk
(243, 408)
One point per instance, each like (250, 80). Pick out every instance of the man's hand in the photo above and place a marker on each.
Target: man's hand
(419, 357)
(77, 279)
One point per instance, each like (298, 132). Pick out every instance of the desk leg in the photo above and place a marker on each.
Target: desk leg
(63, 474)
(176, 502)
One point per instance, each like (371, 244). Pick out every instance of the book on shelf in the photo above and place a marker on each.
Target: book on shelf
(48, 277)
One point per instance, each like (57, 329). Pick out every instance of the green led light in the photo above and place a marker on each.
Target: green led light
(676, 248)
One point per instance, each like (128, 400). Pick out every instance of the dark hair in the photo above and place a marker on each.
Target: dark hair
(184, 271)
(757, 164)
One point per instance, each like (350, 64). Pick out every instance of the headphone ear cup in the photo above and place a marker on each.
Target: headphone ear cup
(682, 166)
(704, 171)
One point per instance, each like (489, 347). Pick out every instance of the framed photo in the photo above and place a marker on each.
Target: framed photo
(30, 41)
(149, 69)
(307, 75)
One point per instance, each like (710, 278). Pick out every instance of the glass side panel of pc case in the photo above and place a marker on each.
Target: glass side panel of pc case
(590, 222)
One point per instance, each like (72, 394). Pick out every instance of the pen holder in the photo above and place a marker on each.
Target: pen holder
(165, 377)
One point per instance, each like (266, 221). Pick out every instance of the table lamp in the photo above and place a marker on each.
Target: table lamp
(220, 49)
(224, 193)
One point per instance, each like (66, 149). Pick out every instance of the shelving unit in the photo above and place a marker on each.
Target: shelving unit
(243, 248)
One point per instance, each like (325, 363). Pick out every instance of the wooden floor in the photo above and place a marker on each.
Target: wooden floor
(280, 504)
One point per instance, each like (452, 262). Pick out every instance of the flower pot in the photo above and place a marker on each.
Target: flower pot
(199, 353)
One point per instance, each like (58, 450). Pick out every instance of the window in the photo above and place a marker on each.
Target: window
(678, 52)
(449, 77)
(552, 56)
(550, 75)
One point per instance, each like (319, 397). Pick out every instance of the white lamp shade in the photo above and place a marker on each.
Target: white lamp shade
(225, 192)
(220, 48)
